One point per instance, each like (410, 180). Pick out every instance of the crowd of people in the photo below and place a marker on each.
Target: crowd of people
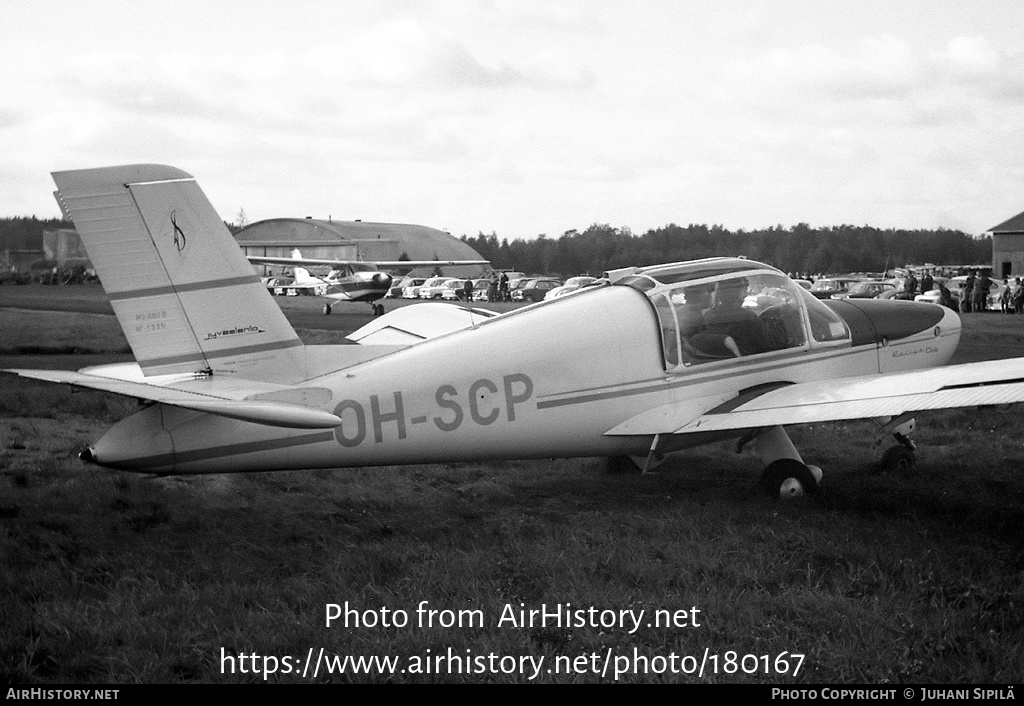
(1011, 301)
(973, 296)
(54, 275)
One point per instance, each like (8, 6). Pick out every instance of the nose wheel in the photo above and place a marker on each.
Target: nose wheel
(899, 458)
(327, 309)
(378, 309)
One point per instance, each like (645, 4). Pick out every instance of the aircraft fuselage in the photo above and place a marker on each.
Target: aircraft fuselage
(548, 381)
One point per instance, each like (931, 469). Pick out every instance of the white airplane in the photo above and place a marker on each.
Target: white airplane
(655, 360)
(350, 280)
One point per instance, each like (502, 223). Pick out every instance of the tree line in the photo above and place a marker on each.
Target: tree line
(800, 248)
(26, 232)
(601, 247)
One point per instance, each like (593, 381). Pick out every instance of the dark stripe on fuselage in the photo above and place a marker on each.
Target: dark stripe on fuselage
(690, 377)
(179, 457)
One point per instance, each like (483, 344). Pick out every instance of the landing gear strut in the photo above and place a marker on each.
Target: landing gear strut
(899, 458)
(637, 465)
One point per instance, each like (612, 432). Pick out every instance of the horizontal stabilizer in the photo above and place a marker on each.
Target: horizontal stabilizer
(264, 407)
(418, 322)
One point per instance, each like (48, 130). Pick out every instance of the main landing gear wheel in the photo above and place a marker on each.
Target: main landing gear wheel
(898, 459)
(327, 309)
(787, 478)
(378, 309)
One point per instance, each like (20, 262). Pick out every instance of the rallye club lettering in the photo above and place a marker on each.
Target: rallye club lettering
(484, 398)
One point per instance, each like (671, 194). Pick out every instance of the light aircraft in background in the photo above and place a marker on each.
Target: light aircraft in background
(653, 360)
(349, 280)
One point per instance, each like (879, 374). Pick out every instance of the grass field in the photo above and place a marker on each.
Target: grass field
(111, 577)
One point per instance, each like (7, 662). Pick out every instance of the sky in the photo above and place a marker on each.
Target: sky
(529, 117)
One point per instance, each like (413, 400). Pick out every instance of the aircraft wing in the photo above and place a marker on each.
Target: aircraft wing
(989, 383)
(427, 263)
(259, 259)
(316, 284)
(252, 401)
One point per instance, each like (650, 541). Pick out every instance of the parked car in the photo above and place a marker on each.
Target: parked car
(571, 285)
(825, 287)
(456, 289)
(535, 289)
(932, 295)
(516, 284)
(453, 290)
(434, 287)
(865, 290)
(278, 286)
(412, 291)
(396, 289)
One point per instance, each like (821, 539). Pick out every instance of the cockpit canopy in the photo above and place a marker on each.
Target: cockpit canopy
(725, 308)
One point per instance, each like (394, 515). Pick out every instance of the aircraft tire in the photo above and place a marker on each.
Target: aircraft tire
(898, 459)
(787, 479)
(622, 466)
(327, 309)
(378, 310)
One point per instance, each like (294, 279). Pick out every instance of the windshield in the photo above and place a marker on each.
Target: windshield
(737, 315)
(823, 285)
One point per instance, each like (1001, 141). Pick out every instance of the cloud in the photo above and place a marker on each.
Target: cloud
(876, 67)
(972, 55)
(8, 118)
(407, 54)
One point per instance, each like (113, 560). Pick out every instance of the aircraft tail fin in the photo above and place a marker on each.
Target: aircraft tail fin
(181, 288)
(302, 276)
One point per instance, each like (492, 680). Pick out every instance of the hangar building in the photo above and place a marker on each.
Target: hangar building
(356, 240)
(1008, 247)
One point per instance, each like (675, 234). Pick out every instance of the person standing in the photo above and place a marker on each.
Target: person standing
(945, 298)
(967, 294)
(927, 282)
(981, 289)
(492, 289)
(910, 286)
